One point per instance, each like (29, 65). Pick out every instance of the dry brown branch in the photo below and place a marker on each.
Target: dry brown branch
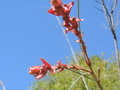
(83, 47)
(109, 15)
(88, 62)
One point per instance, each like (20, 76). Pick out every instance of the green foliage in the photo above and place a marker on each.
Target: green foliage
(63, 80)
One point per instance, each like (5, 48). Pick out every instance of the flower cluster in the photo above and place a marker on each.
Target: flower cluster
(41, 71)
(71, 24)
(60, 9)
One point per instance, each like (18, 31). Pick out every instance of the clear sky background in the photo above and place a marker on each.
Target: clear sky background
(28, 32)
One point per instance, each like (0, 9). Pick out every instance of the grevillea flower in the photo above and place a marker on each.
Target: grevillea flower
(40, 71)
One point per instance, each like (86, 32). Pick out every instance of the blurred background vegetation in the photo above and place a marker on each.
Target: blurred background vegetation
(65, 80)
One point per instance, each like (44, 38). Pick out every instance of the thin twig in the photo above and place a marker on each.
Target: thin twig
(114, 6)
(107, 15)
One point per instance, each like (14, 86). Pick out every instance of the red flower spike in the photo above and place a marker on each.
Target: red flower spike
(56, 2)
(71, 24)
(40, 71)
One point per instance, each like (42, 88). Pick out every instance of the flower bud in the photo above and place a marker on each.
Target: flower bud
(34, 69)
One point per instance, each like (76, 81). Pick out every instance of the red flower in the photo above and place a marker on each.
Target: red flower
(67, 8)
(56, 3)
(48, 66)
(66, 12)
(56, 10)
(37, 71)
(40, 71)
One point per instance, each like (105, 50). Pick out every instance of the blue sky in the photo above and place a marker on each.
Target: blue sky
(28, 32)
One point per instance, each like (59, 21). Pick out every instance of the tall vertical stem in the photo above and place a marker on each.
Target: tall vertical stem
(83, 47)
(88, 62)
